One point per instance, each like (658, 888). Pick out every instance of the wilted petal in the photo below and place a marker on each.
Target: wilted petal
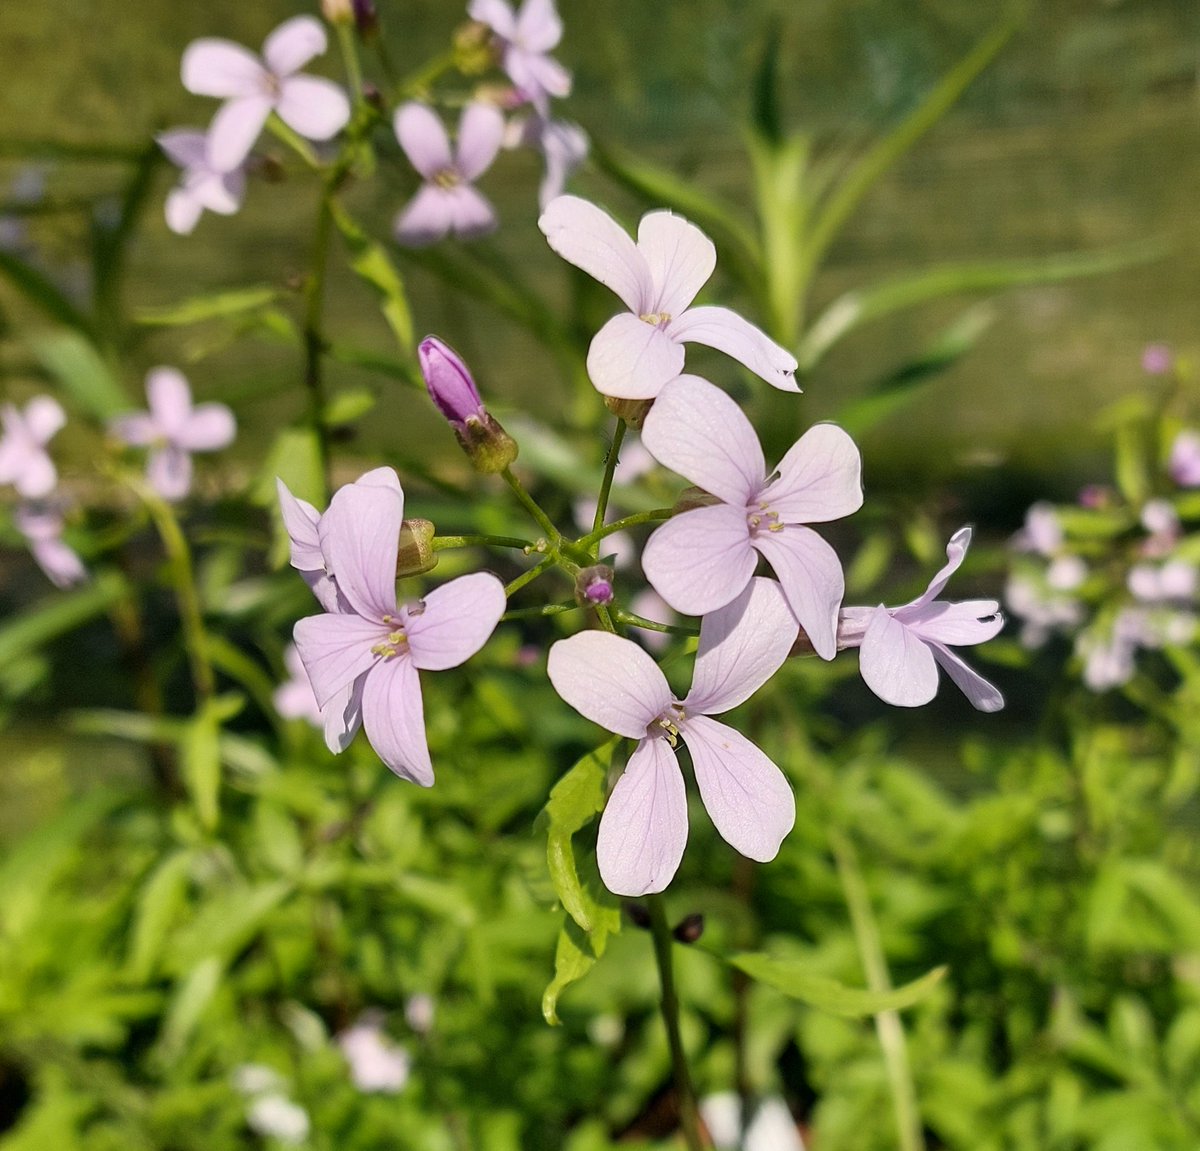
(968, 622)
(631, 359)
(394, 719)
(423, 137)
(209, 428)
(681, 259)
(480, 133)
(221, 68)
(593, 241)
(336, 650)
(700, 560)
(538, 26)
(727, 332)
(643, 830)
(496, 14)
(293, 44)
(609, 680)
(360, 535)
(182, 211)
(234, 130)
(742, 645)
(427, 218)
(983, 695)
(810, 574)
(316, 108)
(745, 794)
(820, 478)
(897, 665)
(169, 470)
(455, 621)
(342, 716)
(696, 430)
(471, 213)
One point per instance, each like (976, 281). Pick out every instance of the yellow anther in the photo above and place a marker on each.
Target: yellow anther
(447, 178)
(655, 319)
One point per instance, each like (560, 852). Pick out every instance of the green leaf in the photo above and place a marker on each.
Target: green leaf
(42, 293)
(767, 117)
(371, 264)
(1132, 463)
(794, 979)
(190, 1001)
(211, 306)
(226, 924)
(57, 614)
(348, 406)
(78, 367)
(574, 956)
(200, 756)
(158, 904)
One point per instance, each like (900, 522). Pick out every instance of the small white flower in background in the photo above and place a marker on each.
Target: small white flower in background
(1041, 609)
(42, 527)
(1042, 533)
(771, 1126)
(24, 461)
(254, 87)
(279, 1118)
(1160, 519)
(1066, 573)
(1174, 580)
(419, 1012)
(256, 1079)
(376, 1064)
(201, 186)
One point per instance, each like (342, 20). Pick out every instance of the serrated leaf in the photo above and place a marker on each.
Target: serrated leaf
(210, 306)
(75, 364)
(372, 265)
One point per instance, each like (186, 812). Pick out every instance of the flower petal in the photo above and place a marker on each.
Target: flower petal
(455, 621)
(394, 719)
(745, 794)
(336, 650)
(956, 552)
(170, 399)
(967, 622)
(897, 665)
(360, 536)
(496, 14)
(536, 77)
(342, 716)
(983, 695)
(631, 359)
(742, 645)
(182, 211)
(184, 147)
(698, 431)
(300, 519)
(234, 130)
(471, 213)
(423, 137)
(480, 134)
(727, 332)
(538, 25)
(643, 830)
(428, 216)
(137, 430)
(700, 560)
(609, 680)
(44, 417)
(293, 44)
(810, 574)
(681, 259)
(221, 68)
(169, 471)
(592, 240)
(60, 563)
(209, 428)
(820, 478)
(316, 108)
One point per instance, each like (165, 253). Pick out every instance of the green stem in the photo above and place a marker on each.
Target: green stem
(689, 1119)
(314, 343)
(293, 140)
(533, 508)
(630, 521)
(610, 467)
(605, 618)
(541, 610)
(349, 50)
(628, 617)
(416, 83)
(445, 543)
(529, 576)
(888, 1025)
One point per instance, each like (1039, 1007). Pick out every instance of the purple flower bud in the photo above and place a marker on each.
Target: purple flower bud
(594, 585)
(449, 382)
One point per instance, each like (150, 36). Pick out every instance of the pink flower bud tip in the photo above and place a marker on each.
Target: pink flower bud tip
(449, 382)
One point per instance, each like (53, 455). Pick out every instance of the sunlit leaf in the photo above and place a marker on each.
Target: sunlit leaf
(78, 367)
(210, 306)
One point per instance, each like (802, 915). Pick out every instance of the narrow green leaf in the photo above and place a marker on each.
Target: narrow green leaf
(211, 306)
(58, 614)
(225, 924)
(78, 367)
(780, 174)
(794, 979)
(768, 119)
(574, 956)
(42, 293)
(200, 755)
(158, 904)
(371, 264)
(190, 1001)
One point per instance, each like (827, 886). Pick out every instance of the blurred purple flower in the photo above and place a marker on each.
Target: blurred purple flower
(42, 527)
(376, 1064)
(294, 697)
(1184, 462)
(1157, 359)
(526, 38)
(24, 461)
(447, 202)
(200, 186)
(563, 145)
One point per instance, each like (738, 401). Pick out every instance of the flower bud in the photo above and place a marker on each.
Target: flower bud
(594, 585)
(415, 554)
(489, 446)
(366, 17)
(689, 928)
(338, 11)
(474, 49)
(633, 412)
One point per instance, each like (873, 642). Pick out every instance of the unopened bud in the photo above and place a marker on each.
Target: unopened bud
(633, 412)
(594, 585)
(474, 49)
(415, 553)
(365, 17)
(338, 11)
(489, 446)
(638, 915)
(690, 928)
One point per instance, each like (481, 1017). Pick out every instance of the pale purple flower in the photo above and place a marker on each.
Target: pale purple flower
(1066, 573)
(376, 1064)
(172, 429)
(1184, 462)
(370, 655)
(448, 201)
(294, 697)
(563, 145)
(1161, 520)
(201, 186)
(1157, 359)
(900, 648)
(253, 87)
(701, 559)
(302, 522)
(657, 278)
(1174, 580)
(1042, 533)
(613, 682)
(42, 527)
(24, 461)
(1041, 609)
(526, 38)
(1108, 655)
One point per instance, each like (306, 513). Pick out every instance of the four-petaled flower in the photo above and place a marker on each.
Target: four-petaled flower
(371, 654)
(448, 200)
(613, 682)
(24, 461)
(700, 559)
(526, 37)
(254, 87)
(638, 351)
(172, 429)
(201, 186)
(900, 647)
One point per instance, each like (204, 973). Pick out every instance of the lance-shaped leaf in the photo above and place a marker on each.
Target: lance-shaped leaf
(210, 306)
(373, 266)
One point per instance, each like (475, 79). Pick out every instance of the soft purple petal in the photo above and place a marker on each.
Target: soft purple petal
(169, 470)
(44, 417)
(983, 695)
(182, 211)
(219, 192)
(742, 645)
(681, 259)
(316, 108)
(38, 476)
(480, 134)
(360, 536)
(496, 14)
(61, 565)
(342, 716)
(209, 428)
(727, 332)
(810, 574)
(956, 552)
(538, 26)
(395, 721)
(959, 624)
(170, 399)
(745, 794)
(221, 68)
(631, 359)
(700, 560)
(565, 147)
(423, 137)
(336, 650)
(138, 429)
(696, 430)
(610, 681)
(300, 519)
(593, 241)
(537, 77)
(184, 147)
(234, 130)
(455, 621)
(293, 44)
(643, 830)
(471, 213)
(428, 216)
(897, 665)
(820, 478)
